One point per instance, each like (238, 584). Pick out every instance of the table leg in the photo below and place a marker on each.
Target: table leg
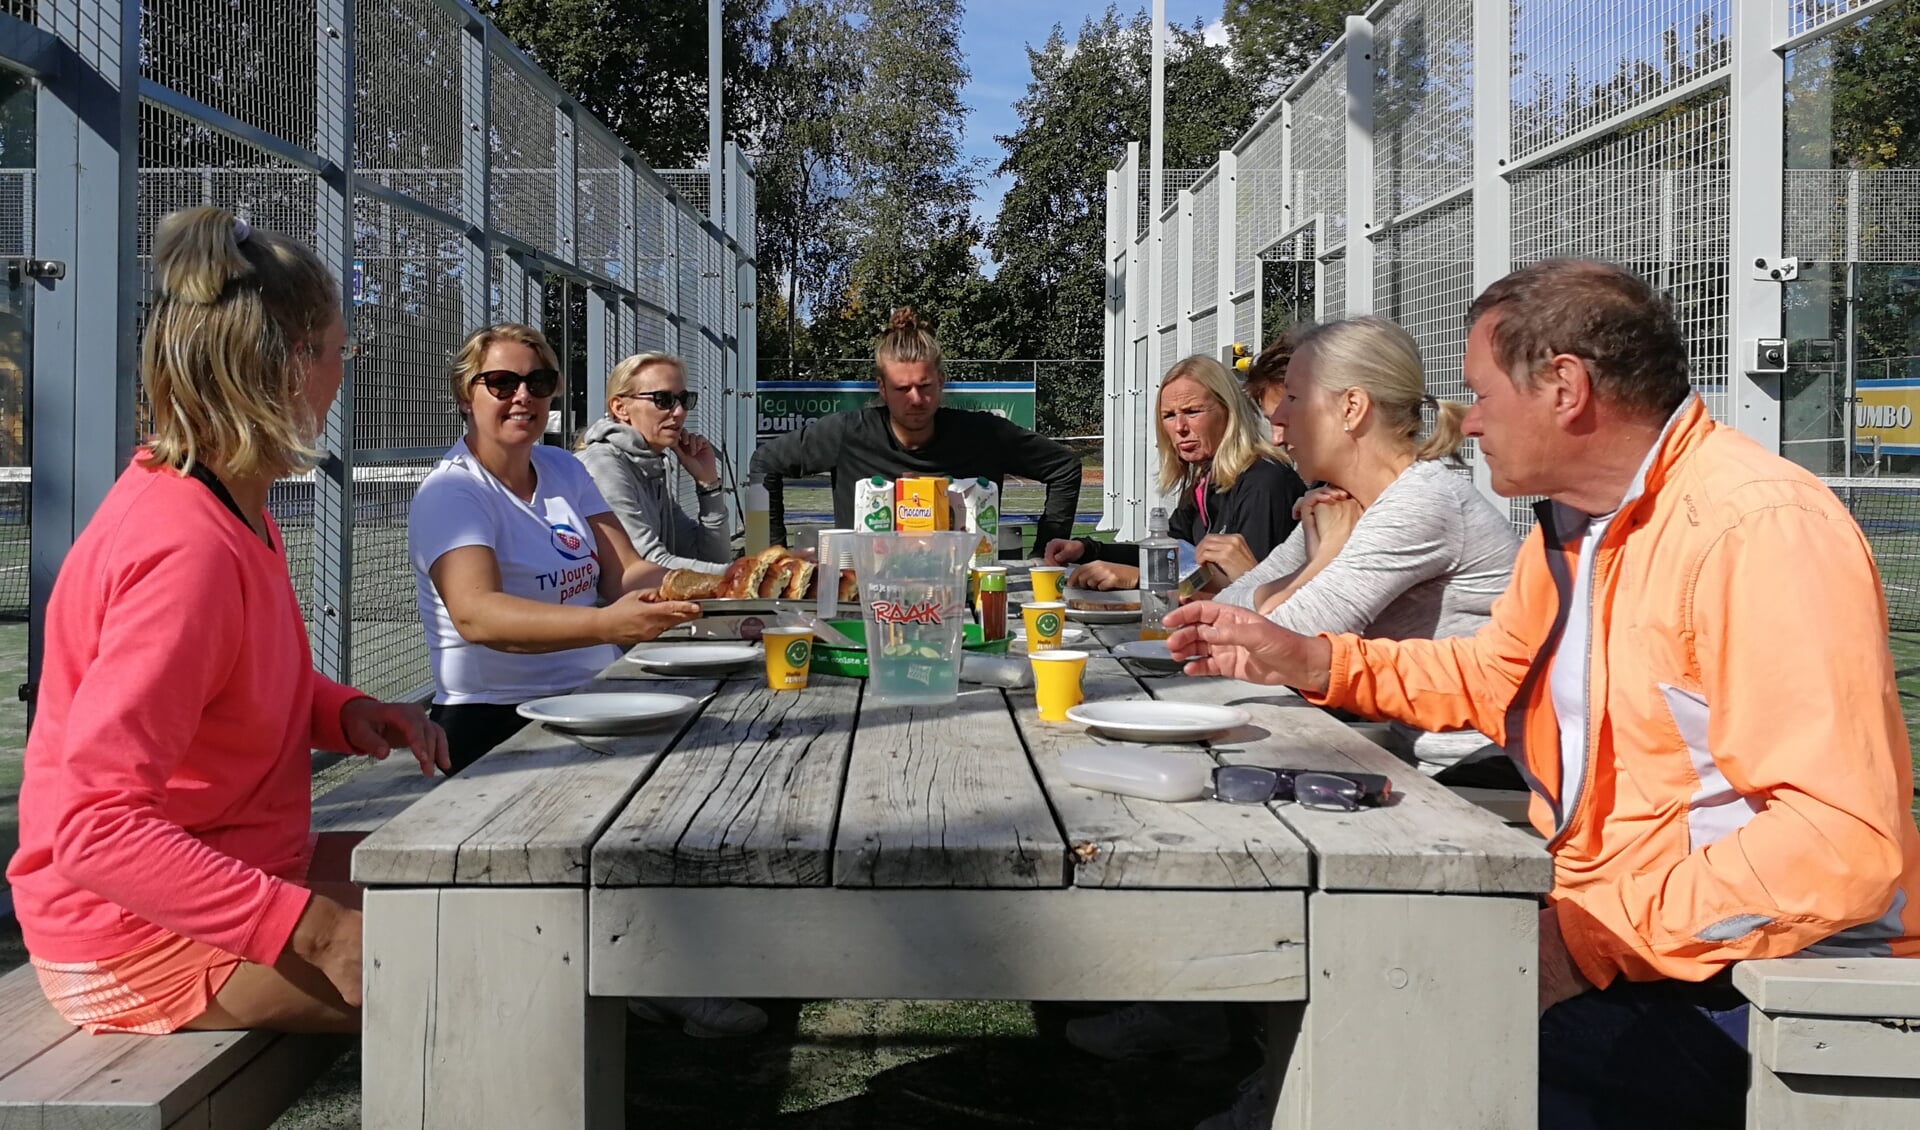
(477, 1013)
(1421, 1010)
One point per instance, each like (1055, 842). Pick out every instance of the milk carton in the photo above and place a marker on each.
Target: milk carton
(873, 506)
(920, 505)
(977, 511)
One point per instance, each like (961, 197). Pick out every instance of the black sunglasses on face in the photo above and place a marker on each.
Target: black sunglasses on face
(503, 383)
(664, 400)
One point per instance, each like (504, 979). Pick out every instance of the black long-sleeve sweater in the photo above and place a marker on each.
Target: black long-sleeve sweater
(856, 445)
(1259, 508)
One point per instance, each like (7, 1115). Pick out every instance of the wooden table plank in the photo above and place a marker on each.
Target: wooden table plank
(525, 814)
(944, 796)
(1430, 840)
(748, 797)
(980, 945)
(1121, 841)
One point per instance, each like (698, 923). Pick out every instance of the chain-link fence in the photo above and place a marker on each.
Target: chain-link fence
(1440, 143)
(451, 183)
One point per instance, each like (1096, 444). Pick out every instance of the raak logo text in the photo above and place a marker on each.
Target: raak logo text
(926, 612)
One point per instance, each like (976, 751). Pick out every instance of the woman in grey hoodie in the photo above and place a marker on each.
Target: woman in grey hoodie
(626, 453)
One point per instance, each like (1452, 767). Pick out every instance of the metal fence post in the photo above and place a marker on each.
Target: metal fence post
(1227, 243)
(1360, 219)
(1756, 154)
(566, 183)
(746, 290)
(1492, 144)
(1121, 459)
(333, 239)
(1114, 267)
(600, 353)
(476, 174)
(85, 204)
(1183, 281)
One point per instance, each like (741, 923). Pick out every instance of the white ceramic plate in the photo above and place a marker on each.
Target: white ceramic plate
(1158, 721)
(694, 658)
(1148, 653)
(612, 713)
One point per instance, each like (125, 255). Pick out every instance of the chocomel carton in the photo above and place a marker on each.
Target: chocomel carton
(920, 505)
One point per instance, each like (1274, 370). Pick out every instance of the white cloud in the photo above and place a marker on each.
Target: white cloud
(1215, 33)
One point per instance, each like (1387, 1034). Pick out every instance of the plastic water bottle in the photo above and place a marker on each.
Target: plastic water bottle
(1159, 576)
(758, 504)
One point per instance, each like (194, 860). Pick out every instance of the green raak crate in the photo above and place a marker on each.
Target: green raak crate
(852, 661)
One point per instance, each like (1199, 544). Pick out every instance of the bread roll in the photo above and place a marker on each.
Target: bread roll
(690, 584)
(799, 579)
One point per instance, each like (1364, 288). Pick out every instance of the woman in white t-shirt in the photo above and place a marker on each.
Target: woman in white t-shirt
(514, 552)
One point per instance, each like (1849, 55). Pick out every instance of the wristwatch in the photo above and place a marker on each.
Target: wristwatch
(707, 488)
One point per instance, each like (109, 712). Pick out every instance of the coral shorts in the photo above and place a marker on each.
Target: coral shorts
(154, 989)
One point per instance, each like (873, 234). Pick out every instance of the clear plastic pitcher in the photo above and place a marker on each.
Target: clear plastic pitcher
(913, 593)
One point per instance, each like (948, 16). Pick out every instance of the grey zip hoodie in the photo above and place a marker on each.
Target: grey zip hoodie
(633, 479)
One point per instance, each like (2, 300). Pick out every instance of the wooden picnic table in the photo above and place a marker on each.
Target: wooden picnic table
(807, 845)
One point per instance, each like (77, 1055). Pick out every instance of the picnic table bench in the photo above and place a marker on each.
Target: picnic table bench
(813, 845)
(54, 1075)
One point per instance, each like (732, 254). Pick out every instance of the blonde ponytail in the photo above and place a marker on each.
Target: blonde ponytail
(1379, 357)
(198, 253)
(1444, 441)
(236, 316)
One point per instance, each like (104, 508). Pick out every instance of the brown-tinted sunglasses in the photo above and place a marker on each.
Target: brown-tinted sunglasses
(503, 383)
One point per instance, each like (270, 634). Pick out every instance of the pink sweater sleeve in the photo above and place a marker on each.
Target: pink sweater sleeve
(329, 698)
(169, 636)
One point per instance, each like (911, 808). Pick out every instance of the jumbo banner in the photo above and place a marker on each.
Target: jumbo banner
(1889, 410)
(785, 405)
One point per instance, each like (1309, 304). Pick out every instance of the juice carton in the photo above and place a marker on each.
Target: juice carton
(977, 511)
(873, 505)
(920, 505)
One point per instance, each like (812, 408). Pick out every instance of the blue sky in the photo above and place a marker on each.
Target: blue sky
(994, 36)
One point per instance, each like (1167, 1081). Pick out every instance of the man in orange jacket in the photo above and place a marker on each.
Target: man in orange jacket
(1690, 670)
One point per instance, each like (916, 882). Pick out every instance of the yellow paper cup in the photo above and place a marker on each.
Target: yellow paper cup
(1045, 620)
(1056, 682)
(789, 657)
(1046, 581)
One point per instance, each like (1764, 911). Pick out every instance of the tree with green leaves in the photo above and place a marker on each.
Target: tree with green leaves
(1087, 99)
(640, 66)
(911, 189)
(804, 165)
(1274, 42)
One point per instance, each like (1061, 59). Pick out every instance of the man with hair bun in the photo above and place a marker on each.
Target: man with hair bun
(908, 433)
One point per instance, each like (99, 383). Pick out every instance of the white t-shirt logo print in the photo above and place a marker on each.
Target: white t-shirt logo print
(569, 543)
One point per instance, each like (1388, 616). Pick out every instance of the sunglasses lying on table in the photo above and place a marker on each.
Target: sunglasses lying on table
(1176, 776)
(1336, 792)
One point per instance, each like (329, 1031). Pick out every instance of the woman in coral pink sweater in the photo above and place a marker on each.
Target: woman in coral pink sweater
(165, 814)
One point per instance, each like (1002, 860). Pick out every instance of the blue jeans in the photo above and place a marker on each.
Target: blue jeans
(1645, 1055)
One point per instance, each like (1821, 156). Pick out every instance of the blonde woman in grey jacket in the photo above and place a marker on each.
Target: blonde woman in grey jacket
(626, 451)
